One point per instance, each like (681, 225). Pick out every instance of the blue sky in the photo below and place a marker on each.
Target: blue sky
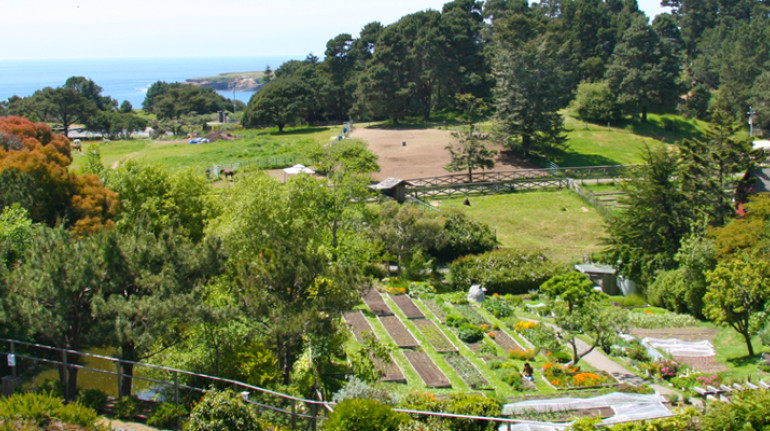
(47, 29)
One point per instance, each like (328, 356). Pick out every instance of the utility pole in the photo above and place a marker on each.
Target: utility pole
(751, 121)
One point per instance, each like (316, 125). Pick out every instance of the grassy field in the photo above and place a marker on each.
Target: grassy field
(291, 145)
(559, 222)
(622, 144)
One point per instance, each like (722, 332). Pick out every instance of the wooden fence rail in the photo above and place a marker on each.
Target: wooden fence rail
(507, 181)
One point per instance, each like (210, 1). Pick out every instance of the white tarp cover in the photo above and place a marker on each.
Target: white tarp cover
(298, 169)
(627, 407)
(677, 347)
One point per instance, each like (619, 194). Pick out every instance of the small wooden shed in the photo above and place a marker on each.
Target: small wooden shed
(393, 187)
(602, 276)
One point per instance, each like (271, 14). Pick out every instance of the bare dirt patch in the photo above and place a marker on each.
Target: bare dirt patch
(406, 305)
(359, 325)
(398, 332)
(374, 301)
(428, 371)
(704, 364)
(424, 154)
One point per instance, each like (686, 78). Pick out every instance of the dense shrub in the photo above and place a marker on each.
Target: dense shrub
(501, 271)
(167, 415)
(51, 387)
(356, 388)
(364, 415)
(470, 333)
(462, 236)
(44, 411)
(472, 405)
(93, 398)
(749, 410)
(128, 407)
(498, 307)
(222, 411)
(456, 320)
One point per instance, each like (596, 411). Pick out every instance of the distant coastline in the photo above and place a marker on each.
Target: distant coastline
(129, 79)
(233, 81)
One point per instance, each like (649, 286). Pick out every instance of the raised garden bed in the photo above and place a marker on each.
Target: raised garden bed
(398, 332)
(406, 305)
(506, 341)
(391, 372)
(359, 325)
(376, 303)
(435, 309)
(435, 336)
(467, 371)
(471, 314)
(427, 369)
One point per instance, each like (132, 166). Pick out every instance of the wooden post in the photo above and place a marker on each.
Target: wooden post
(66, 374)
(314, 409)
(120, 378)
(293, 414)
(176, 387)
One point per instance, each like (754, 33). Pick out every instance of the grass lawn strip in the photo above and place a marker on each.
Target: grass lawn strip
(374, 301)
(398, 332)
(435, 336)
(406, 305)
(358, 324)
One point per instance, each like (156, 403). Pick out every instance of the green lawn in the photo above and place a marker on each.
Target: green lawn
(558, 222)
(279, 148)
(592, 144)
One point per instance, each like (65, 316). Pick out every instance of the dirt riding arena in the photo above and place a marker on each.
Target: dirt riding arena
(424, 154)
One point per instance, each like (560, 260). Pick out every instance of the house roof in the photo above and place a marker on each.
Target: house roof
(590, 268)
(390, 183)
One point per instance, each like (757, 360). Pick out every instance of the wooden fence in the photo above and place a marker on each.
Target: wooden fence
(507, 181)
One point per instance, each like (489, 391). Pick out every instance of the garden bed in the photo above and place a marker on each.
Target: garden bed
(430, 374)
(398, 332)
(471, 314)
(467, 371)
(406, 305)
(506, 341)
(376, 303)
(391, 372)
(435, 336)
(436, 310)
(359, 325)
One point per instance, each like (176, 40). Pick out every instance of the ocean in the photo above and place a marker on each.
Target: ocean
(124, 79)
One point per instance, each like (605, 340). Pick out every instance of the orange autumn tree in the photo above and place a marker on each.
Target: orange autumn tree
(34, 172)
